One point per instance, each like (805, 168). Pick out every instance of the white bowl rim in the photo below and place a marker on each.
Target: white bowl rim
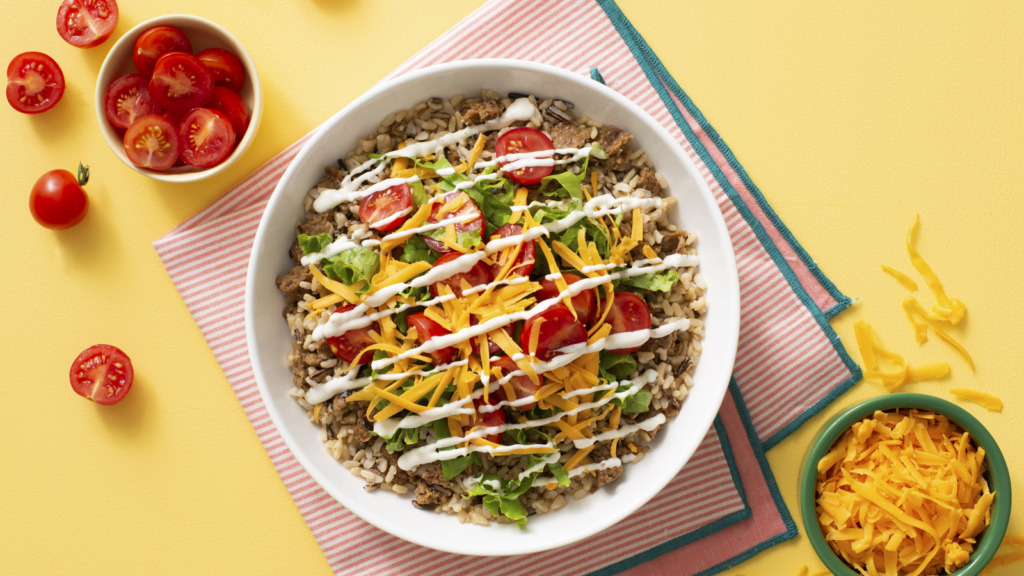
(116, 145)
(729, 324)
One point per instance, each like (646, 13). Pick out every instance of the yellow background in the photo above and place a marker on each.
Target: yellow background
(850, 118)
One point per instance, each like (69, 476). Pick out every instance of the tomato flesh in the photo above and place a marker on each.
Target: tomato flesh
(524, 140)
(350, 343)
(478, 275)
(629, 313)
(128, 98)
(490, 419)
(226, 68)
(469, 211)
(231, 104)
(206, 136)
(35, 83)
(180, 82)
(154, 43)
(103, 374)
(525, 259)
(426, 329)
(556, 329)
(58, 200)
(152, 142)
(386, 209)
(584, 303)
(86, 23)
(521, 383)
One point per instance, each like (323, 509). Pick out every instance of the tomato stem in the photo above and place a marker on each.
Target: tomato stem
(83, 174)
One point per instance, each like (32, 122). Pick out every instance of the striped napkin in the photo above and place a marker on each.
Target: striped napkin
(723, 506)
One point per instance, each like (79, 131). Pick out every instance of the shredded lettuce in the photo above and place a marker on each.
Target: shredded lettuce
(403, 437)
(314, 244)
(416, 250)
(419, 193)
(615, 367)
(657, 282)
(501, 497)
(353, 265)
(455, 466)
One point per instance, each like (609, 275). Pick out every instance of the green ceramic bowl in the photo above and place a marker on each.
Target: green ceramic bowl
(997, 473)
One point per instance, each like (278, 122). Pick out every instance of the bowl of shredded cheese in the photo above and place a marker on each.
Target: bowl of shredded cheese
(905, 484)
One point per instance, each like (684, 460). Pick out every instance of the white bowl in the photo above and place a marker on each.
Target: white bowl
(269, 339)
(203, 34)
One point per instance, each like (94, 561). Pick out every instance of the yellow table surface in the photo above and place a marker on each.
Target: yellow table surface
(850, 118)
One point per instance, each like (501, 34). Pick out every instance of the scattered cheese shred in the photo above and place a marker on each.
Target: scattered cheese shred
(871, 351)
(907, 281)
(951, 309)
(987, 400)
(903, 493)
(911, 306)
(334, 286)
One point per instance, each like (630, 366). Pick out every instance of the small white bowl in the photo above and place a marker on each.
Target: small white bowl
(202, 34)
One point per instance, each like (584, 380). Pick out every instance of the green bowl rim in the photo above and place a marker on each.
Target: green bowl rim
(999, 475)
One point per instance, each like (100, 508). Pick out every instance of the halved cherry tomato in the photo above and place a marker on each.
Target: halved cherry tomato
(349, 344)
(226, 68)
(386, 209)
(584, 303)
(475, 276)
(58, 200)
(629, 313)
(557, 329)
(86, 23)
(230, 103)
(154, 43)
(206, 136)
(523, 264)
(520, 141)
(469, 209)
(522, 383)
(427, 329)
(127, 99)
(489, 419)
(152, 142)
(35, 83)
(180, 82)
(102, 373)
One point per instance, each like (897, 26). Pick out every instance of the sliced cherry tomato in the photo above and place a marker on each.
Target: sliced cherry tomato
(475, 224)
(207, 137)
(230, 103)
(349, 344)
(35, 83)
(387, 209)
(522, 141)
(489, 419)
(180, 82)
(86, 23)
(103, 374)
(522, 383)
(427, 329)
(154, 43)
(557, 329)
(523, 264)
(584, 303)
(475, 276)
(127, 99)
(629, 313)
(226, 68)
(58, 200)
(152, 142)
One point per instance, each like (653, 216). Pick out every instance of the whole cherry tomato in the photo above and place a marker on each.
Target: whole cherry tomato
(57, 200)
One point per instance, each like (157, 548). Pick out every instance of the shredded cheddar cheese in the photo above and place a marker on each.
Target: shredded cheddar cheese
(903, 279)
(871, 351)
(987, 400)
(951, 309)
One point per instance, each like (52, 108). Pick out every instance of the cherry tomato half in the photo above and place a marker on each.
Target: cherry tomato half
(475, 276)
(226, 68)
(103, 374)
(35, 83)
(180, 82)
(489, 419)
(230, 103)
(629, 313)
(427, 329)
(387, 209)
(86, 23)
(522, 141)
(523, 264)
(469, 210)
(127, 99)
(154, 43)
(152, 142)
(557, 329)
(206, 137)
(584, 303)
(57, 200)
(349, 344)
(521, 383)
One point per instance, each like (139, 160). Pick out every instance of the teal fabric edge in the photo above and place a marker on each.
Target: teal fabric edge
(649, 61)
(615, 14)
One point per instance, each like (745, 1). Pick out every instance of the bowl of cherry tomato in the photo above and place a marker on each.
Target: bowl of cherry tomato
(178, 98)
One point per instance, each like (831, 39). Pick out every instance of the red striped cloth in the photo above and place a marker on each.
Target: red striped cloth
(788, 362)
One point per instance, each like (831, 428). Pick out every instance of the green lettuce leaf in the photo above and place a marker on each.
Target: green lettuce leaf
(416, 250)
(314, 244)
(615, 367)
(353, 265)
(657, 282)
